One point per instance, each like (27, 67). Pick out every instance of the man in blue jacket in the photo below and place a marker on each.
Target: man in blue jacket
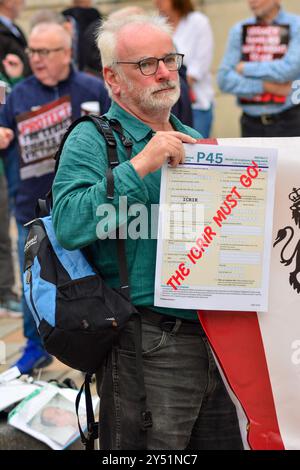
(38, 111)
(261, 62)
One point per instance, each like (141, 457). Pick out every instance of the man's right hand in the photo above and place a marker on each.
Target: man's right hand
(164, 145)
(280, 89)
(6, 136)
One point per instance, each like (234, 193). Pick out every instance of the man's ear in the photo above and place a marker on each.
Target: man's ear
(112, 78)
(68, 56)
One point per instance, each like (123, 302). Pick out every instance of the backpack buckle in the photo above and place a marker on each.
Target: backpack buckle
(111, 142)
(146, 420)
(126, 142)
(93, 431)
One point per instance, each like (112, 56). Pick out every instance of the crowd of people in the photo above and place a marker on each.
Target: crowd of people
(159, 88)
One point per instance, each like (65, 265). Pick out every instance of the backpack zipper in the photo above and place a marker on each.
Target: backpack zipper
(29, 281)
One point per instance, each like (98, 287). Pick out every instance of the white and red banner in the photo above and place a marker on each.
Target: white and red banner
(259, 353)
(264, 43)
(39, 135)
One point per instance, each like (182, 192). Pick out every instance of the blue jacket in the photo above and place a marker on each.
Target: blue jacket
(250, 83)
(29, 93)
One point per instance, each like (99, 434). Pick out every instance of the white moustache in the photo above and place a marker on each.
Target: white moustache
(171, 85)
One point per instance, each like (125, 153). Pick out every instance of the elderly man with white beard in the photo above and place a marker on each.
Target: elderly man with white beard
(187, 404)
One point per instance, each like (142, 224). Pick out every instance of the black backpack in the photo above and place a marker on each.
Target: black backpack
(77, 315)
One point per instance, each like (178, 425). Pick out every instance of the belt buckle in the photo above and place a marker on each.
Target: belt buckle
(266, 119)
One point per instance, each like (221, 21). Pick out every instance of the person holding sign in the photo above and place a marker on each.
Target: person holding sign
(259, 67)
(38, 111)
(186, 397)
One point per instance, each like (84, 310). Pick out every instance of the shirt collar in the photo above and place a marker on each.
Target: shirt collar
(136, 128)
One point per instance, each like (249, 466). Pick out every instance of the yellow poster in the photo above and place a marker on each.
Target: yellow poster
(215, 229)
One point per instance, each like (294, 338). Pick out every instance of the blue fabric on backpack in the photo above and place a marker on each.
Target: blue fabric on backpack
(73, 261)
(77, 315)
(43, 296)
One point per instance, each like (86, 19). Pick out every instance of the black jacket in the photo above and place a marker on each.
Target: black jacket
(83, 18)
(183, 108)
(11, 44)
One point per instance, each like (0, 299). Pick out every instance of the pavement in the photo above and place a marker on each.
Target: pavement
(12, 340)
(11, 343)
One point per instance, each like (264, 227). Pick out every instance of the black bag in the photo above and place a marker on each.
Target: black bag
(77, 315)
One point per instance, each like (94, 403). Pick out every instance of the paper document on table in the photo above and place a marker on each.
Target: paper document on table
(215, 229)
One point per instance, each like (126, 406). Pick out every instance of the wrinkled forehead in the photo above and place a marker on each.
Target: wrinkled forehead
(139, 40)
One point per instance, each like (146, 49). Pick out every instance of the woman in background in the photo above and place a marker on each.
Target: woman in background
(193, 38)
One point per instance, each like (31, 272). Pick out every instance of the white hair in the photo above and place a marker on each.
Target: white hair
(108, 32)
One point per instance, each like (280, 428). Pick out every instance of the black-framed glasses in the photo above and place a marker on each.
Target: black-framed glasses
(41, 52)
(149, 66)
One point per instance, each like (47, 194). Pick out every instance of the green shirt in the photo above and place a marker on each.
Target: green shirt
(79, 192)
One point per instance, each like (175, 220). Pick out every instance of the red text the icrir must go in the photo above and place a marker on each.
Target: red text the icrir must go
(197, 251)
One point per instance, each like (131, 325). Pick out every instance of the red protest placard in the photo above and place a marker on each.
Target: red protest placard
(264, 43)
(39, 134)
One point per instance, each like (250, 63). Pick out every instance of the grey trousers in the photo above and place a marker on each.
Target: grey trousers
(190, 406)
(7, 278)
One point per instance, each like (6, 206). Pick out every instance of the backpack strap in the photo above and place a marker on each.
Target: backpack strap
(65, 136)
(123, 269)
(116, 126)
(145, 414)
(92, 426)
(103, 126)
(145, 417)
(106, 127)
(44, 205)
